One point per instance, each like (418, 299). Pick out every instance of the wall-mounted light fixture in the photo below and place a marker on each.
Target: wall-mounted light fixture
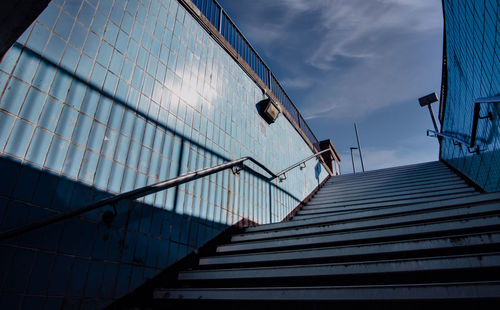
(269, 110)
(427, 101)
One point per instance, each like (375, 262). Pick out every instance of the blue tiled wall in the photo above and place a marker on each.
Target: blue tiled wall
(101, 97)
(473, 61)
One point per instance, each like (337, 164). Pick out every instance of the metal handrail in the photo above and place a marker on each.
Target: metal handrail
(476, 118)
(283, 172)
(472, 146)
(456, 140)
(151, 189)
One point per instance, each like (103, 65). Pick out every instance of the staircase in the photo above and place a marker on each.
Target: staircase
(413, 234)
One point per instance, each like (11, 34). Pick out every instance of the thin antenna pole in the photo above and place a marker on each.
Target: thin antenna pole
(352, 159)
(359, 148)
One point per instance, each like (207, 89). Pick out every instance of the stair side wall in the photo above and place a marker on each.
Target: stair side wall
(99, 97)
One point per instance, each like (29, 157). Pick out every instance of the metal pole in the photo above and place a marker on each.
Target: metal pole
(352, 159)
(433, 118)
(359, 148)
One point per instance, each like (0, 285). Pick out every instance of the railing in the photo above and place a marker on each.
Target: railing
(227, 28)
(472, 146)
(235, 165)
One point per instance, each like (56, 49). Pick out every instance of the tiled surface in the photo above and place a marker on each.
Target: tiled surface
(473, 53)
(101, 97)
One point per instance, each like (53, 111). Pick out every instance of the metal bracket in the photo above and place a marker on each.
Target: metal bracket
(283, 177)
(302, 167)
(109, 216)
(236, 170)
(488, 116)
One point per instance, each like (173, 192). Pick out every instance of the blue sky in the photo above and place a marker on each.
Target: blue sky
(346, 61)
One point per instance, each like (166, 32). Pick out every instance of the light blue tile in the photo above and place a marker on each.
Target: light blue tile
(64, 25)
(70, 59)
(49, 16)
(6, 122)
(111, 33)
(50, 114)
(115, 178)
(76, 94)
(13, 96)
(96, 137)
(109, 144)
(116, 116)
(19, 138)
(73, 161)
(60, 86)
(86, 14)
(104, 54)
(103, 172)
(89, 166)
(139, 126)
(128, 180)
(103, 109)
(67, 122)
(82, 130)
(84, 67)
(33, 105)
(133, 154)
(57, 153)
(116, 62)
(26, 67)
(78, 35)
(122, 149)
(144, 160)
(128, 123)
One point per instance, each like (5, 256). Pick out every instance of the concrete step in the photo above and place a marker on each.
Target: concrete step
(323, 212)
(401, 193)
(369, 293)
(385, 183)
(460, 226)
(396, 177)
(393, 189)
(411, 248)
(407, 199)
(457, 263)
(402, 169)
(411, 217)
(384, 210)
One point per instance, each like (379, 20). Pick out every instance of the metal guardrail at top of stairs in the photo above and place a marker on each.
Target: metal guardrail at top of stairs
(235, 165)
(472, 146)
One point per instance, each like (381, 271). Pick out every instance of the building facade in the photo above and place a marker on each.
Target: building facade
(472, 71)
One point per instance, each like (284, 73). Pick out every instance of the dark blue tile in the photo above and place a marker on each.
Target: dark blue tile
(51, 236)
(53, 303)
(78, 274)
(110, 278)
(123, 280)
(45, 190)
(137, 277)
(128, 249)
(94, 279)
(146, 218)
(39, 279)
(9, 301)
(33, 302)
(69, 236)
(152, 252)
(63, 194)
(141, 249)
(15, 215)
(86, 239)
(60, 275)
(25, 184)
(19, 271)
